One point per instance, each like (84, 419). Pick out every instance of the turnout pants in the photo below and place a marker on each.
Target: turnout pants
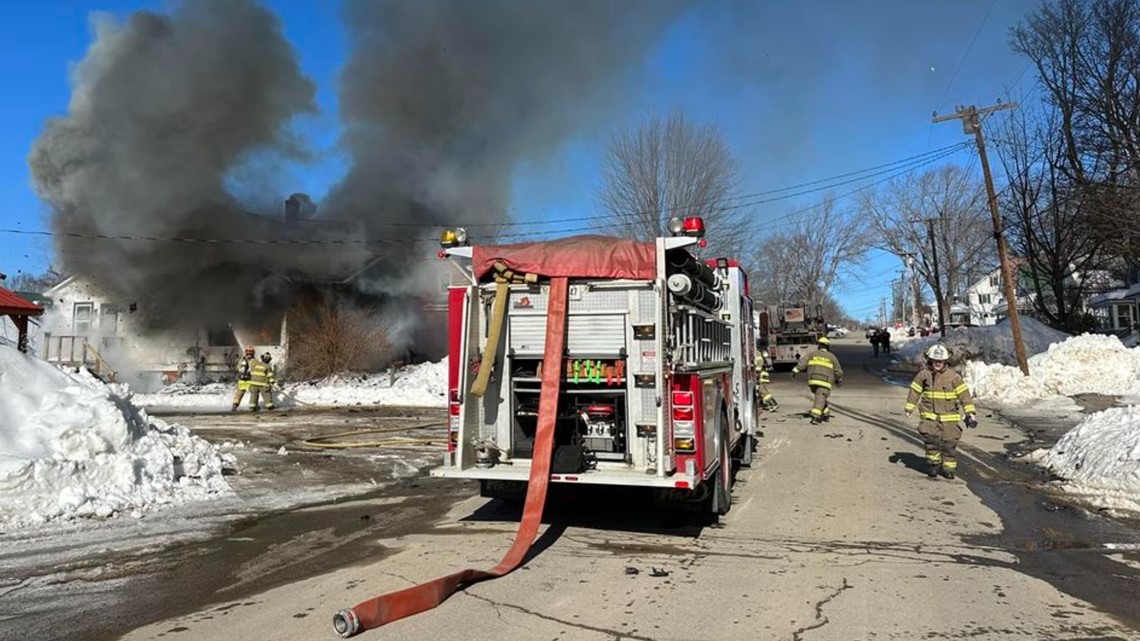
(766, 398)
(241, 389)
(941, 441)
(819, 408)
(255, 394)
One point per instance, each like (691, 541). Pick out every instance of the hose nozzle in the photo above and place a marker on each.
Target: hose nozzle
(346, 623)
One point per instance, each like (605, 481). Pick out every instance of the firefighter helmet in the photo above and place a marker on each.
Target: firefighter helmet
(824, 341)
(938, 352)
(265, 358)
(249, 351)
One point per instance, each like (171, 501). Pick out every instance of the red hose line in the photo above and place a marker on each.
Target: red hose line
(393, 606)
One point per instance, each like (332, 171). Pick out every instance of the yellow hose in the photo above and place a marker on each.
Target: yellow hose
(327, 443)
(498, 314)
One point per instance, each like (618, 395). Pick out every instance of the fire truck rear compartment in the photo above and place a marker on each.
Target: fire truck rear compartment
(592, 415)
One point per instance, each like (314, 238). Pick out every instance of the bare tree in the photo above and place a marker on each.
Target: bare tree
(669, 166)
(1087, 57)
(804, 262)
(333, 338)
(1047, 219)
(955, 199)
(38, 283)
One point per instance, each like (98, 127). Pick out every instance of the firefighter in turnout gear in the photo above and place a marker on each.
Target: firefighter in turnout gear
(764, 378)
(261, 382)
(823, 373)
(943, 400)
(244, 373)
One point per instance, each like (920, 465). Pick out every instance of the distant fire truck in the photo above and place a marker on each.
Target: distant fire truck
(789, 331)
(657, 375)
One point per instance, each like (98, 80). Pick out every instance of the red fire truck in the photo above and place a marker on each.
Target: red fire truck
(657, 374)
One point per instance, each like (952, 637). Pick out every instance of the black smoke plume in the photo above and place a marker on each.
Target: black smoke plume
(440, 102)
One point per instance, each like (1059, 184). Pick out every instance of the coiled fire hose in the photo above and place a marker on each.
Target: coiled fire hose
(393, 606)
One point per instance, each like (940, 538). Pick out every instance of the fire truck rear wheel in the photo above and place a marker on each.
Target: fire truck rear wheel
(722, 484)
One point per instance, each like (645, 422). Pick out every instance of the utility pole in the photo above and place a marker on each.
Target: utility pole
(913, 276)
(972, 124)
(902, 295)
(937, 278)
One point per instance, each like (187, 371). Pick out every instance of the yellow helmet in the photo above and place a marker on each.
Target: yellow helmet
(823, 340)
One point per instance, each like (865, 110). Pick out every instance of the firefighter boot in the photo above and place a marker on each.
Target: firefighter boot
(949, 467)
(934, 463)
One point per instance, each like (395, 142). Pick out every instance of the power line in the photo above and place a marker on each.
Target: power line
(719, 204)
(905, 169)
(965, 54)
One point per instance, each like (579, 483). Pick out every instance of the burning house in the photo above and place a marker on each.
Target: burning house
(179, 120)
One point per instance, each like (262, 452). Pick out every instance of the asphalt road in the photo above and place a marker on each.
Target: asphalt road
(835, 533)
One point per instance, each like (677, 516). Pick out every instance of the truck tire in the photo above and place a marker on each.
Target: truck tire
(721, 494)
(747, 444)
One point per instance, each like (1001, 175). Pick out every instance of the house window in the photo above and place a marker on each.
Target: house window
(995, 281)
(1123, 316)
(109, 321)
(82, 316)
(984, 299)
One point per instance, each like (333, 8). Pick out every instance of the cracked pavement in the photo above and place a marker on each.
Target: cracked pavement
(834, 534)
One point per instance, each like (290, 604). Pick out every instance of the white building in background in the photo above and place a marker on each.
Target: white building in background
(86, 327)
(1117, 311)
(983, 300)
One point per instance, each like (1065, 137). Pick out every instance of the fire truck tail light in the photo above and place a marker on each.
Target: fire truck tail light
(684, 444)
(683, 429)
(694, 226)
(453, 436)
(683, 398)
(682, 413)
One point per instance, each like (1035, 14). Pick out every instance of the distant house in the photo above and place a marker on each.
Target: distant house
(984, 302)
(1117, 311)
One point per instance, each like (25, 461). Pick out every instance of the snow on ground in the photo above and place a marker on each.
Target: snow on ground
(1099, 460)
(71, 446)
(992, 343)
(1086, 364)
(423, 385)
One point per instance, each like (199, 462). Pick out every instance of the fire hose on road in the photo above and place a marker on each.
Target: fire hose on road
(393, 606)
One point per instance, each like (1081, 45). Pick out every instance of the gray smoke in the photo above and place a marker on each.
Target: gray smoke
(440, 101)
(163, 107)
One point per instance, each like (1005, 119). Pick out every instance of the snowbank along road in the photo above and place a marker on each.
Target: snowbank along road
(835, 533)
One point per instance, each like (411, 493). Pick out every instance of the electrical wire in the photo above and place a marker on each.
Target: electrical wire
(908, 167)
(965, 54)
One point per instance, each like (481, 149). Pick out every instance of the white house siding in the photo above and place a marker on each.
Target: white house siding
(82, 313)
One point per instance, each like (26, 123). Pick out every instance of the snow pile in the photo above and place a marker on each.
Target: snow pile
(423, 385)
(991, 344)
(70, 446)
(1099, 459)
(1085, 364)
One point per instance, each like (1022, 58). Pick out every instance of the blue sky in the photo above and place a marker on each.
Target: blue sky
(802, 90)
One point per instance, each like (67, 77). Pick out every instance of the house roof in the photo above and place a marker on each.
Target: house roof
(1105, 298)
(10, 303)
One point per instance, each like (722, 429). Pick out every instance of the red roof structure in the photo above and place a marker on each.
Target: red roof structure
(18, 310)
(11, 304)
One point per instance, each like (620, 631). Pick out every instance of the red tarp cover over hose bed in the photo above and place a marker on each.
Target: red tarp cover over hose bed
(573, 257)
(378, 611)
